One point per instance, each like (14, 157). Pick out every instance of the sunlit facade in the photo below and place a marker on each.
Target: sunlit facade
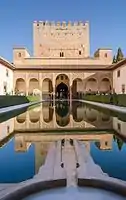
(61, 65)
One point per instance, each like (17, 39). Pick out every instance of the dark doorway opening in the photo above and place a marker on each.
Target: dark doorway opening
(62, 91)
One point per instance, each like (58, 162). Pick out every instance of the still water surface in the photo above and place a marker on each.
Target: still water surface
(26, 135)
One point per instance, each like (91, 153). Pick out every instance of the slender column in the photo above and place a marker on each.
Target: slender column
(71, 82)
(70, 98)
(40, 85)
(27, 84)
(84, 86)
(98, 86)
(14, 86)
(98, 79)
(53, 84)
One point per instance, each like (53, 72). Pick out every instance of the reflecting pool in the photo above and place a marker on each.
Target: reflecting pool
(25, 137)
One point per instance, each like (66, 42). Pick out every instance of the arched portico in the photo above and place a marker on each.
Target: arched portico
(62, 91)
(47, 88)
(20, 87)
(34, 87)
(62, 87)
(91, 85)
(77, 87)
(105, 85)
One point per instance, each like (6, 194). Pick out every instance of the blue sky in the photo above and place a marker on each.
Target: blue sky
(107, 21)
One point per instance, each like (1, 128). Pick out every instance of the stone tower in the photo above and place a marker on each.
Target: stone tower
(61, 39)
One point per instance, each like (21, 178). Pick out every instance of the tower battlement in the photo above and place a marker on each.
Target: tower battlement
(60, 23)
(61, 39)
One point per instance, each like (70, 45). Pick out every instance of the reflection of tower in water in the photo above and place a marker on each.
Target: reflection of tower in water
(22, 144)
(41, 150)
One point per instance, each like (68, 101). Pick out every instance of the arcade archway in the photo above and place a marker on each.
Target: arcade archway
(62, 91)
(91, 85)
(20, 86)
(47, 88)
(62, 86)
(34, 87)
(105, 85)
(77, 88)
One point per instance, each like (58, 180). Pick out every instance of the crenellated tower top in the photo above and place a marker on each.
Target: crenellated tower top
(59, 23)
(61, 39)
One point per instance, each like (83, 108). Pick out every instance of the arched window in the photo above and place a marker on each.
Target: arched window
(61, 54)
(79, 52)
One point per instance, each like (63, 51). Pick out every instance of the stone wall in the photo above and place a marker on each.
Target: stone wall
(61, 39)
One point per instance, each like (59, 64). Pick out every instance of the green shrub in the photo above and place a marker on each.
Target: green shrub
(6, 100)
(33, 98)
(115, 99)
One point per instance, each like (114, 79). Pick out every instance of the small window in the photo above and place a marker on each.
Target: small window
(61, 54)
(19, 54)
(118, 73)
(106, 143)
(106, 55)
(79, 52)
(21, 145)
(7, 72)
(8, 129)
(37, 24)
(5, 88)
(123, 88)
(119, 126)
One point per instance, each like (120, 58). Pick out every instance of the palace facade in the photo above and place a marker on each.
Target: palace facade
(61, 63)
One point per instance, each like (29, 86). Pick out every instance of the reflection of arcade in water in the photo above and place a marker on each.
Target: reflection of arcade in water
(63, 115)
